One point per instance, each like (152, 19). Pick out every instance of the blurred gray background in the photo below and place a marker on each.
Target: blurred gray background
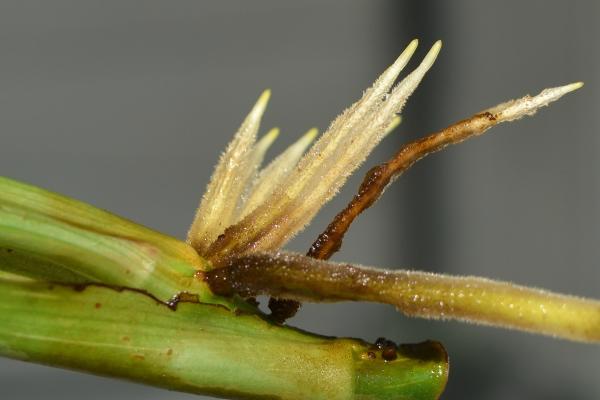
(127, 105)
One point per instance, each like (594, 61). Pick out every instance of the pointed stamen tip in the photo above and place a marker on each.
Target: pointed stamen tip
(413, 45)
(311, 134)
(408, 52)
(397, 120)
(393, 124)
(259, 107)
(433, 53)
(266, 141)
(272, 134)
(265, 95)
(263, 100)
(556, 93)
(573, 86)
(306, 139)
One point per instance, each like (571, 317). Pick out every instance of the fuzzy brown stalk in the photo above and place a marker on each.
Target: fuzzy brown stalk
(416, 294)
(380, 176)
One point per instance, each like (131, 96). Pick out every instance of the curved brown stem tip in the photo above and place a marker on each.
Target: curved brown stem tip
(380, 176)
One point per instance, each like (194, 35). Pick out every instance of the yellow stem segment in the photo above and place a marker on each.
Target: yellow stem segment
(418, 294)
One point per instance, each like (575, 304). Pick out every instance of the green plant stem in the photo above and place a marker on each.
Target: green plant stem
(51, 237)
(91, 291)
(201, 348)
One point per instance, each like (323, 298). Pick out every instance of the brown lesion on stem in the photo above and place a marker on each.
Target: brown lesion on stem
(416, 294)
(172, 303)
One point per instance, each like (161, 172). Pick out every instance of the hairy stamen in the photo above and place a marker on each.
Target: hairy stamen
(324, 169)
(230, 179)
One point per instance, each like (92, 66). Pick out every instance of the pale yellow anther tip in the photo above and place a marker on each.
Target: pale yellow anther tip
(265, 142)
(557, 92)
(397, 120)
(413, 45)
(311, 134)
(573, 86)
(264, 98)
(434, 51)
(271, 135)
(406, 55)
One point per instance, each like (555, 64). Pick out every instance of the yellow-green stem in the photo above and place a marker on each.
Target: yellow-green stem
(419, 294)
(202, 348)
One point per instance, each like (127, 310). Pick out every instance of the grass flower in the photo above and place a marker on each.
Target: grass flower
(242, 244)
(82, 288)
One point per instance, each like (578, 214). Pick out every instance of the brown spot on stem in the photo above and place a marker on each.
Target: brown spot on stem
(282, 309)
(388, 353)
(490, 116)
(97, 305)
